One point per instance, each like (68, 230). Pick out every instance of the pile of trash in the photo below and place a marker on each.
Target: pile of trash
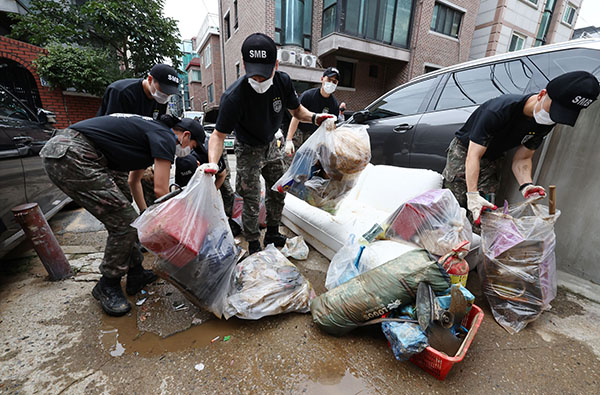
(197, 253)
(326, 167)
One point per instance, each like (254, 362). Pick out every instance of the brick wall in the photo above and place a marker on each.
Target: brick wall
(436, 49)
(68, 109)
(211, 75)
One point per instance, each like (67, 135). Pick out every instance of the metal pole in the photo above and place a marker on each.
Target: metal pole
(36, 228)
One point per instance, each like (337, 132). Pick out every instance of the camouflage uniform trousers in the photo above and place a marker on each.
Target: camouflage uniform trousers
(454, 173)
(251, 163)
(81, 172)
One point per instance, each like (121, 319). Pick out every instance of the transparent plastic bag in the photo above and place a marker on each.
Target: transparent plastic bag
(191, 237)
(327, 165)
(433, 220)
(355, 258)
(518, 272)
(238, 206)
(295, 248)
(267, 283)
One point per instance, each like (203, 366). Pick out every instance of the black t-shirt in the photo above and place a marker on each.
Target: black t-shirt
(500, 125)
(186, 166)
(313, 101)
(128, 97)
(256, 117)
(129, 142)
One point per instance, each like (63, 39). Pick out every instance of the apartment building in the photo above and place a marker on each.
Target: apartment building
(509, 25)
(376, 44)
(204, 72)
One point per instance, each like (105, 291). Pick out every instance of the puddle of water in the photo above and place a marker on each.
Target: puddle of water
(332, 383)
(119, 335)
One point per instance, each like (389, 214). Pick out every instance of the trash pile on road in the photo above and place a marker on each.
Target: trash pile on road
(326, 167)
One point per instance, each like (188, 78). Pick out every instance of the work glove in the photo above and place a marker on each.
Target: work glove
(289, 147)
(476, 204)
(319, 118)
(531, 189)
(209, 168)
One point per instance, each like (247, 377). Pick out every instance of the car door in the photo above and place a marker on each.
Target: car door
(392, 119)
(463, 91)
(12, 182)
(29, 136)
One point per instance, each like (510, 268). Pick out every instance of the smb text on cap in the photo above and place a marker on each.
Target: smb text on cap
(259, 53)
(167, 78)
(571, 93)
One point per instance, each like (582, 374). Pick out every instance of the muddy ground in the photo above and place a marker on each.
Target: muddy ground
(54, 338)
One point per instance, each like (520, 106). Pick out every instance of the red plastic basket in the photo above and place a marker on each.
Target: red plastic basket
(439, 364)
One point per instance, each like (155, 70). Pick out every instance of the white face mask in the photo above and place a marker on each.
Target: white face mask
(329, 87)
(160, 97)
(542, 117)
(181, 152)
(260, 87)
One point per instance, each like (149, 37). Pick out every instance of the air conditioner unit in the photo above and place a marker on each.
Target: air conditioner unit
(286, 56)
(308, 60)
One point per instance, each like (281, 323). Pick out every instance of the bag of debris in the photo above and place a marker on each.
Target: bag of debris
(518, 271)
(377, 291)
(267, 283)
(359, 256)
(295, 248)
(191, 237)
(406, 338)
(433, 220)
(327, 165)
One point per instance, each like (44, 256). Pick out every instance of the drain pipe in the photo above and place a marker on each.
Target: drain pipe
(36, 229)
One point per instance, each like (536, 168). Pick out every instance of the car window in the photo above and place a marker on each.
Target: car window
(404, 101)
(553, 64)
(475, 86)
(12, 108)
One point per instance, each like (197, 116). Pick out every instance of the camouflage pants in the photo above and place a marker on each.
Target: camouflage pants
(227, 193)
(80, 171)
(454, 173)
(120, 178)
(251, 163)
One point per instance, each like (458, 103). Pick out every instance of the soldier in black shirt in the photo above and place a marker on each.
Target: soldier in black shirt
(505, 122)
(253, 106)
(147, 97)
(79, 161)
(319, 100)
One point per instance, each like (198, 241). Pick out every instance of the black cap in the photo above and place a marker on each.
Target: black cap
(167, 78)
(260, 54)
(331, 71)
(571, 93)
(194, 128)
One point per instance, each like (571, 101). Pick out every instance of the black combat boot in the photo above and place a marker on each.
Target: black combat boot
(138, 278)
(274, 237)
(110, 295)
(254, 246)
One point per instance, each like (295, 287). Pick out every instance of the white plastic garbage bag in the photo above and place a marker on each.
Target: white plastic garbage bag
(267, 283)
(295, 248)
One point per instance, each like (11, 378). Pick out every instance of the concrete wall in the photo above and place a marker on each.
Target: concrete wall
(571, 163)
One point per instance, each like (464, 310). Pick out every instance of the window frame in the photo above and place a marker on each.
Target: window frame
(280, 28)
(227, 25)
(235, 17)
(430, 95)
(194, 79)
(354, 63)
(210, 94)
(518, 35)
(569, 7)
(207, 56)
(455, 11)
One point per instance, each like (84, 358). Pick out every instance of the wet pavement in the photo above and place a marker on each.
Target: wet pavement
(54, 338)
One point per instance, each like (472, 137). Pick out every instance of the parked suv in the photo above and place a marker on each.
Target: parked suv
(412, 125)
(23, 179)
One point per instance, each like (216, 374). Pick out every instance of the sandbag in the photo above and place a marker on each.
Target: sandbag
(518, 272)
(378, 291)
(267, 283)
